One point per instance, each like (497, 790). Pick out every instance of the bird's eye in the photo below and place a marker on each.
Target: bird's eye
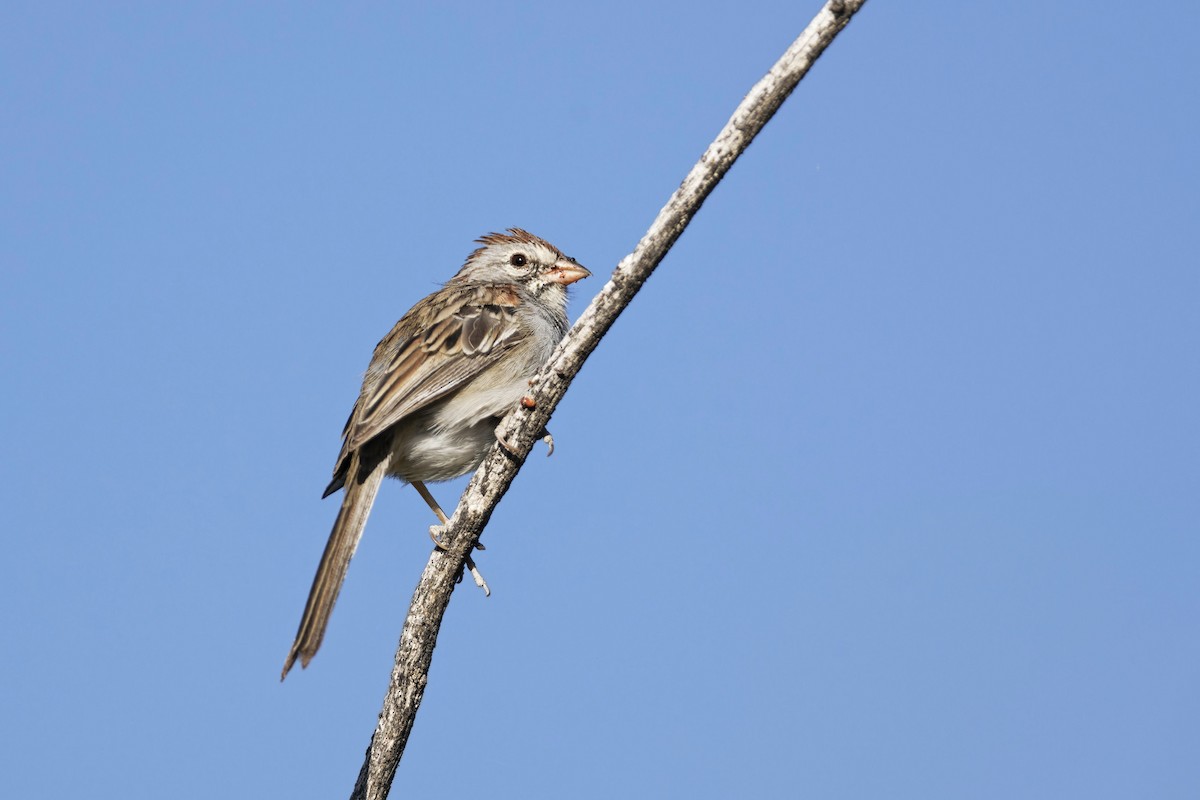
(518, 260)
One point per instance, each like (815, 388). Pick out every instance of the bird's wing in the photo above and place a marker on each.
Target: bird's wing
(444, 342)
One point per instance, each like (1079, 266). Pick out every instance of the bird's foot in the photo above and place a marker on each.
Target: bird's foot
(478, 577)
(435, 532)
(508, 448)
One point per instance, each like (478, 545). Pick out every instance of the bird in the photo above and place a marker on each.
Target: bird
(436, 388)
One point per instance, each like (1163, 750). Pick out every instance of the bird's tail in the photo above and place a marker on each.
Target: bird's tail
(357, 499)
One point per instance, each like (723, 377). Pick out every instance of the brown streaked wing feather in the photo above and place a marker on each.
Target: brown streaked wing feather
(473, 327)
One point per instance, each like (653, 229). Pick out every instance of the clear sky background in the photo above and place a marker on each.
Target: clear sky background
(886, 485)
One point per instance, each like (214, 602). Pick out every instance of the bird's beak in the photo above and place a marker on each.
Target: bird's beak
(566, 271)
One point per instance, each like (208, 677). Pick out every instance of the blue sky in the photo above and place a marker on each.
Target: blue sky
(887, 484)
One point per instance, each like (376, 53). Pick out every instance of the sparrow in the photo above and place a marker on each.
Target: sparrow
(435, 390)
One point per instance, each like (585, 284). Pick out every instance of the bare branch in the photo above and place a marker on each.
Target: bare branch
(521, 428)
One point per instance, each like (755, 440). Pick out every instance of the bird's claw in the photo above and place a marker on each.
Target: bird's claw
(434, 531)
(508, 448)
(434, 534)
(546, 437)
(475, 574)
